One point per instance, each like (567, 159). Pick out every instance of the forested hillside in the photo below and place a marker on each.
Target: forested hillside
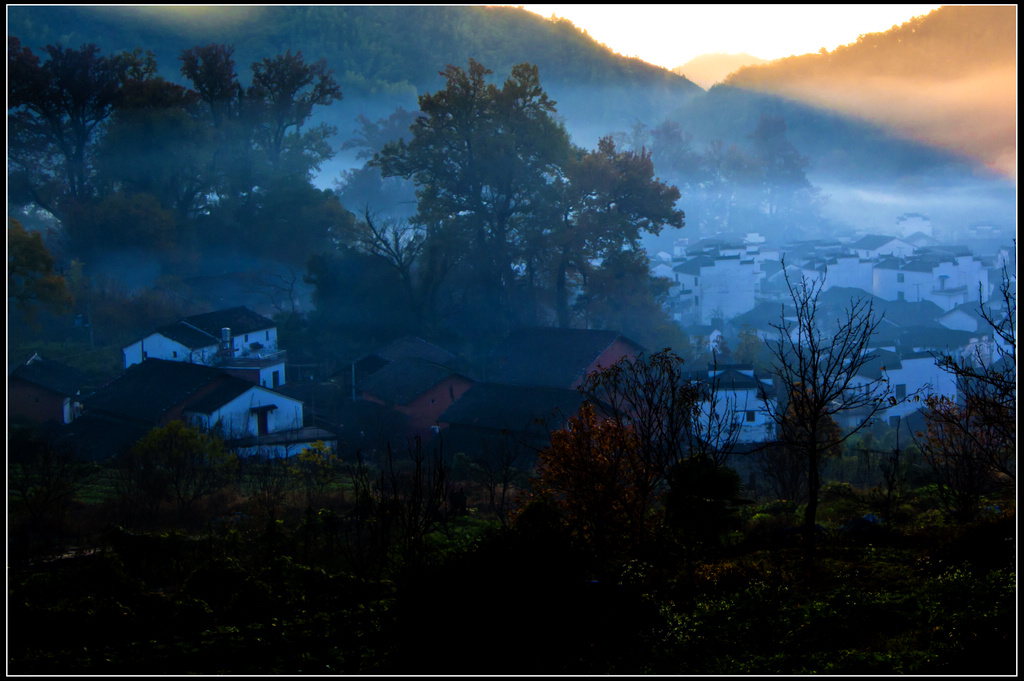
(947, 79)
(383, 57)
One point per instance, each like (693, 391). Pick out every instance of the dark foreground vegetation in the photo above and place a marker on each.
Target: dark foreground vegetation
(404, 565)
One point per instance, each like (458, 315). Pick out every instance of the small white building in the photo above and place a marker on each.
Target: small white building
(910, 376)
(237, 340)
(237, 409)
(949, 282)
(911, 223)
(850, 271)
(874, 246)
(722, 287)
(741, 398)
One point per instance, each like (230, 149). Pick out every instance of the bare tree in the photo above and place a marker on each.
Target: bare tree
(987, 387)
(280, 290)
(815, 370)
(970, 443)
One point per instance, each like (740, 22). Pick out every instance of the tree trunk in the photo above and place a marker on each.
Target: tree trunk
(813, 485)
(561, 300)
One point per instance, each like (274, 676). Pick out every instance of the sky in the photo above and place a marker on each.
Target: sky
(670, 35)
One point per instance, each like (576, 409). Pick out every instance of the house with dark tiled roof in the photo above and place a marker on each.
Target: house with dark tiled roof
(500, 415)
(407, 347)
(555, 357)
(418, 388)
(875, 246)
(238, 340)
(155, 392)
(741, 396)
(911, 377)
(40, 390)
(720, 287)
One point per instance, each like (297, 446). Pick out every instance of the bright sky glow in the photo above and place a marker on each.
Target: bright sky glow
(671, 35)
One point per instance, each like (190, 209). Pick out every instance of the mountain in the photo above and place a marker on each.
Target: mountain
(859, 113)
(948, 79)
(708, 69)
(382, 57)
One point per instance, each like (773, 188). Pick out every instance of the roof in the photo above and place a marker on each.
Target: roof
(239, 319)
(412, 347)
(189, 336)
(510, 407)
(49, 374)
(550, 356)
(148, 390)
(403, 380)
(873, 241)
(939, 339)
(731, 378)
(694, 265)
(879, 360)
(763, 316)
(923, 313)
(94, 437)
(919, 265)
(229, 389)
(298, 436)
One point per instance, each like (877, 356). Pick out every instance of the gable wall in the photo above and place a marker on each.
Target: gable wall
(36, 403)
(158, 346)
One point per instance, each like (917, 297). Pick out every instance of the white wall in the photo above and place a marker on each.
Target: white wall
(158, 346)
(236, 420)
(728, 287)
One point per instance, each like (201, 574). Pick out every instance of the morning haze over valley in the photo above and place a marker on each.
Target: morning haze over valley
(448, 340)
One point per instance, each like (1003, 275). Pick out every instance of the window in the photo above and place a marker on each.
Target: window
(174, 353)
(750, 417)
(900, 296)
(246, 338)
(899, 277)
(268, 336)
(901, 391)
(695, 281)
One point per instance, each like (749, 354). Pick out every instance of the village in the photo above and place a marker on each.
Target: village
(224, 371)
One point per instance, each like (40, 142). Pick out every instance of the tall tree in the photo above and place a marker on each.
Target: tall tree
(483, 159)
(31, 278)
(607, 199)
(970, 442)
(211, 70)
(281, 98)
(782, 168)
(55, 111)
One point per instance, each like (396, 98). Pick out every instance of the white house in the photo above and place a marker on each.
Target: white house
(741, 397)
(721, 288)
(949, 282)
(910, 376)
(237, 340)
(238, 409)
(850, 271)
(874, 246)
(249, 417)
(911, 223)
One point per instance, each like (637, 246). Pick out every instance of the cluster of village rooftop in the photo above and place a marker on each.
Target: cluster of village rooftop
(224, 371)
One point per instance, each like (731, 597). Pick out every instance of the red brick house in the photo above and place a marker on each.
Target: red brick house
(417, 388)
(42, 390)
